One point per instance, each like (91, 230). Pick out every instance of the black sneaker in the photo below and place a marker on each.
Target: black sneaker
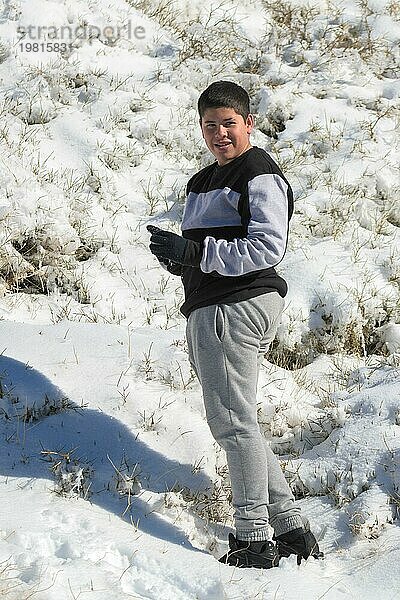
(260, 555)
(299, 541)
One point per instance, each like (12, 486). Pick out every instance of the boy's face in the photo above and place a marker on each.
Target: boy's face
(226, 133)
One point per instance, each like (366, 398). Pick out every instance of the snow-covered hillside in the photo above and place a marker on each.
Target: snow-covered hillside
(111, 484)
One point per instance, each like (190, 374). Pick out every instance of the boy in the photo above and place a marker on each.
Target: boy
(235, 228)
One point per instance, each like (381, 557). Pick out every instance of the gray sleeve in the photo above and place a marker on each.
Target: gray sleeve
(265, 243)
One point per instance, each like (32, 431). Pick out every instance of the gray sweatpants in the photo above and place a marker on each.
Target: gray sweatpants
(226, 346)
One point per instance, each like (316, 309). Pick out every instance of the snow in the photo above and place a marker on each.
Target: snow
(111, 482)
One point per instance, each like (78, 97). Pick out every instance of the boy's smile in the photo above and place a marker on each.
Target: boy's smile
(226, 133)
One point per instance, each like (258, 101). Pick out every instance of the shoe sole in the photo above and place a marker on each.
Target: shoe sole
(237, 562)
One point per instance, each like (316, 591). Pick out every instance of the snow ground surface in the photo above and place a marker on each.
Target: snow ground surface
(111, 484)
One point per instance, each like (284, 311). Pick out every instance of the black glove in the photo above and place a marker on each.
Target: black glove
(173, 268)
(168, 245)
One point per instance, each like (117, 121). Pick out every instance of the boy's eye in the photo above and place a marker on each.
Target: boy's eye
(228, 124)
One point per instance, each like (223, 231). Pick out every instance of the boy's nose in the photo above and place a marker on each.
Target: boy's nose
(221, 131)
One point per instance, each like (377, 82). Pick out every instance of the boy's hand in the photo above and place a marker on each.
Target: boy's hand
(168, 245)
(173, 268)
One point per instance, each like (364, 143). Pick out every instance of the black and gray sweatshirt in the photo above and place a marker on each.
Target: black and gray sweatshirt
(240, 213)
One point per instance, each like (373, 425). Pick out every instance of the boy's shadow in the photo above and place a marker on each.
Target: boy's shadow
(96, 439)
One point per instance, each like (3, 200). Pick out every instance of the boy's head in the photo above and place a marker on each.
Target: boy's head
(225, 120)
(225, 94)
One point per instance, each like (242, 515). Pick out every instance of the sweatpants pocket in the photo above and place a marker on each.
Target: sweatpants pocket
(219, 323)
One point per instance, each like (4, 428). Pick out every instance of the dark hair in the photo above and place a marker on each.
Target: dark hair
(225, 94)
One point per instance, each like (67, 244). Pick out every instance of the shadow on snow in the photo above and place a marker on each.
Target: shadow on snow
(96, 438)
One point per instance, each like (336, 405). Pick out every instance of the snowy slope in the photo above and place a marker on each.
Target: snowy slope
(111, 484)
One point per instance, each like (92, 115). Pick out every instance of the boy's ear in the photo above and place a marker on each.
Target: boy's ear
(249, 123)
(200, 123)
